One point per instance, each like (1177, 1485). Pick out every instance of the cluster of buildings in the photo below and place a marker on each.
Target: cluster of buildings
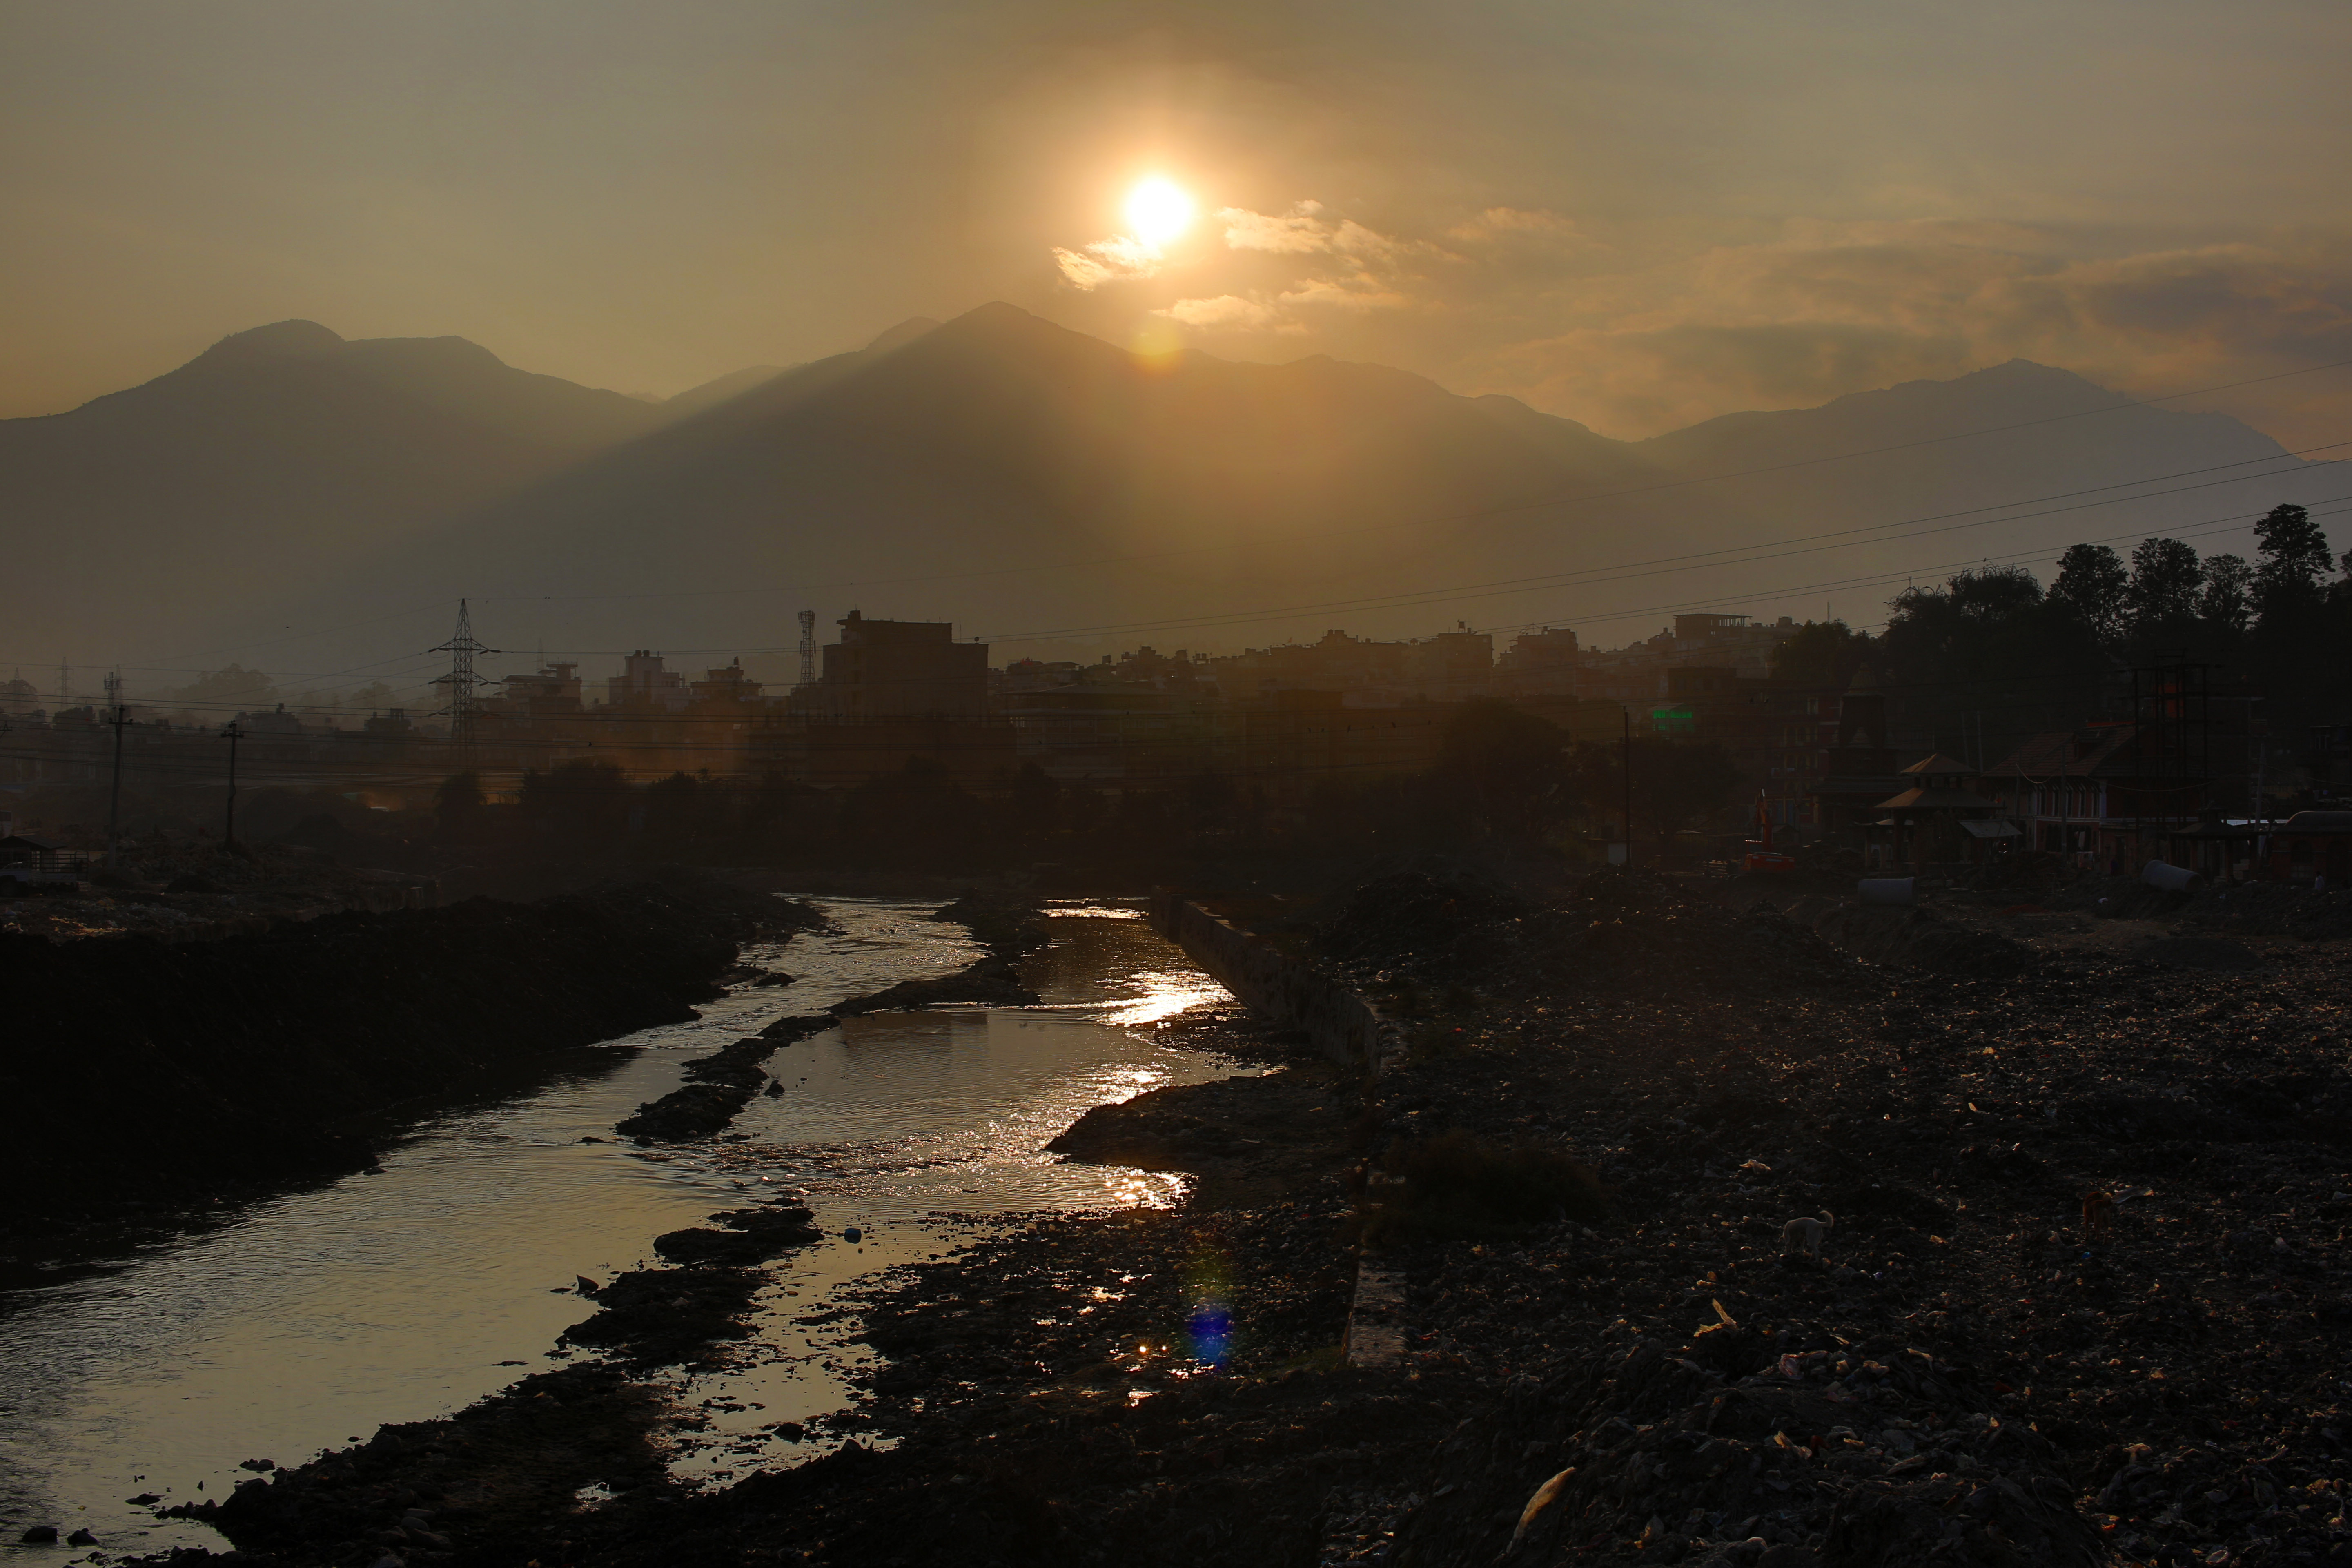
(1826, 764)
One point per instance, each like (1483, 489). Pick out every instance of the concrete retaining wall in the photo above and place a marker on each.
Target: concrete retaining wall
(1342, 1024)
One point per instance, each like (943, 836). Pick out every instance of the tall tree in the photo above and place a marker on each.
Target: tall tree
(2227, 602)
(2161, 597)
(2090, 587)
(1822, 654)
(2294, 559)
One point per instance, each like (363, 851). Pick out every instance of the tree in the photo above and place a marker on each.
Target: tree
(2161, 597)
(1676, 783)
(580, 798)
(233, 687)
(673, 809)
(1505, 766)
(1823, 654)
(1036, 802)
(2295, 557)
(2226, 601)
(2090, 587)
(457, 807)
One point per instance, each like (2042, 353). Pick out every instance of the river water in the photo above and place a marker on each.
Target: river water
(309, 1319)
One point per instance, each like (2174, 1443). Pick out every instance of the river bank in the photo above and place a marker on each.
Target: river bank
(382, 1303)
(1637, 1369)
(152, 1077)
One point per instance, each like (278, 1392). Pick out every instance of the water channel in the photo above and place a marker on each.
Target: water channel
(309, 1319)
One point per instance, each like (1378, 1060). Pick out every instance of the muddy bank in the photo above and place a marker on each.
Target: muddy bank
(146, 1074)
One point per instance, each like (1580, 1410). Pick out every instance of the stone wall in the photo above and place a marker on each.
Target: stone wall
(1282, 986)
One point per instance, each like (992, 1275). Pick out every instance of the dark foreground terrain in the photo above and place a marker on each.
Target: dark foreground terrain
(1612, 1100)
(144, 1078)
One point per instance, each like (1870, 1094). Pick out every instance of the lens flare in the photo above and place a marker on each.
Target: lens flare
(1157, 211)
(1209, 1321)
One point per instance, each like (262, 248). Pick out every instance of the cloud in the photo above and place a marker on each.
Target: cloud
(1361, 293)
(1295, 232)
(1811, 310)
(1303, 231)
(1117, 259)
(1548, 230)
(1225, 310)
(1637, 326)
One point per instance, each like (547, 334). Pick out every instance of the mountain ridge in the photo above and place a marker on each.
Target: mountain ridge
(996, 469)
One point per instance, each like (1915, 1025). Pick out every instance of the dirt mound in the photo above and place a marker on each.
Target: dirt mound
(1634, 930)
(1917, 939)
(1415, 919)
(2272, 909)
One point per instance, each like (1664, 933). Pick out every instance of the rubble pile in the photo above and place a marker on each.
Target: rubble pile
(1917, 938)
(1967, 1356)
(1731, 1433)
(1613, 930)
(1416, 918)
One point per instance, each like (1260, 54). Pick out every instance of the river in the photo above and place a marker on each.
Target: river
(307, 1319)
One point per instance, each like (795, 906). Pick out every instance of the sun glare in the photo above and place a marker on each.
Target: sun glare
(1157, 211)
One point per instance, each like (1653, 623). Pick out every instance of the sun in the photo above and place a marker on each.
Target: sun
(1157, 210)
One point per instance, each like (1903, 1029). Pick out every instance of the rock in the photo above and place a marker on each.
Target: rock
(81, 1538)
(752, 1235)
(40, 1535)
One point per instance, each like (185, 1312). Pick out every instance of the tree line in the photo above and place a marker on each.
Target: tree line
(1980, 661)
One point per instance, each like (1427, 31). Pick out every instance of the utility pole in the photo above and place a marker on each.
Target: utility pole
(114, 792)
(232, 734)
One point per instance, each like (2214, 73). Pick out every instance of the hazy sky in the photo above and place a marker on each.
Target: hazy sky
(1634, 214)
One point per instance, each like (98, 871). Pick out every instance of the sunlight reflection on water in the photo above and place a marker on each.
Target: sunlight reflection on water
(321, 1314)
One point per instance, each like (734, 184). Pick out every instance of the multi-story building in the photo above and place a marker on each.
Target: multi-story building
(897, 670)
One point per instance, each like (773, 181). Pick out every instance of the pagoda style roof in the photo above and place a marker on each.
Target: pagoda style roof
(1939, 764)
(1937, 800)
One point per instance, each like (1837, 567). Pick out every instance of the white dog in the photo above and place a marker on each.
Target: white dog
(1805, 1235)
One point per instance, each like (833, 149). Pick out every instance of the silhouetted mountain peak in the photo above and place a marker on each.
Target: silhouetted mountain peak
(723, 389)
(905, 332)
(277, 341)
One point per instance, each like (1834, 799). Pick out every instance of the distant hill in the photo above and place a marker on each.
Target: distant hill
(1012, 476)
(261, 468)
